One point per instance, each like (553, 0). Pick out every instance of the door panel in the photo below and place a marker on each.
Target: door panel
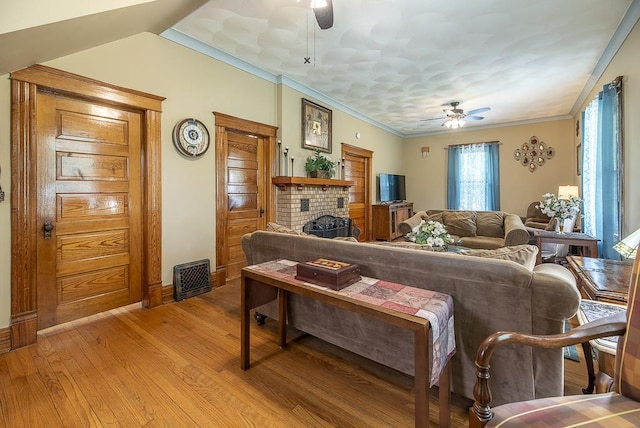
(357, 168)
(354, 170)
(89, 181)
(245, 195)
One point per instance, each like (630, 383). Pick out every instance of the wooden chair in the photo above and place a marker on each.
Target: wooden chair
(615, 409)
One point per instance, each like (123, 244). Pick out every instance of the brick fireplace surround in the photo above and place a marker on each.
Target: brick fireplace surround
(301, 199)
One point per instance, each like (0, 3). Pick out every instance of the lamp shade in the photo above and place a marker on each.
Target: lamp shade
(564, 192)
(628, 247)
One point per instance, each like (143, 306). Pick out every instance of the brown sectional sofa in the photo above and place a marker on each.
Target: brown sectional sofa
(475, 229)
(489, 295)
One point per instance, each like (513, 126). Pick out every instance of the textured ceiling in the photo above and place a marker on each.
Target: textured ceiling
(399, 61)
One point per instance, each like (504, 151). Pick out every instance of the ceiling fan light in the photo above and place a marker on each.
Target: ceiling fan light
(448, 123)
(461, 123)
(318, 4)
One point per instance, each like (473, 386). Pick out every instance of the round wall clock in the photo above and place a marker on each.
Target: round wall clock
(191, 137)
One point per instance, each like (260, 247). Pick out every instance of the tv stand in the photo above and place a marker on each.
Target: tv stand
(386, 218)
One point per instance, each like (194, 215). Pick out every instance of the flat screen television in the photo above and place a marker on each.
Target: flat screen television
(391, 187)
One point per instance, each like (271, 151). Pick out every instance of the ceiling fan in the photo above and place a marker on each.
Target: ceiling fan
(456, 117)
(323, 10)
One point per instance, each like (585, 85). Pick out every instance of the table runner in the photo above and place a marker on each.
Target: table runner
(431, 305)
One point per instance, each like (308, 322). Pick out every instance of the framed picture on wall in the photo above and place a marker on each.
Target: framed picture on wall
(579, 159)
(316, 127)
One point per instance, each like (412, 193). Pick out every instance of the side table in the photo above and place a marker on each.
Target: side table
(588, 242)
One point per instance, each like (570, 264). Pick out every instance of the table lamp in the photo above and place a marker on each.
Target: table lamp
(565, 191)
(628, 247)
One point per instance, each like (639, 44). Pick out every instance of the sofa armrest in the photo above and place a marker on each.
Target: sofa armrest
(514, 231)
(408, 225)
(555, 292)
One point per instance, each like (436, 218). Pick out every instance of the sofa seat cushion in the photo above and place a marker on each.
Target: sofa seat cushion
(610, 409)
(481, 242)
(461, 223)
(490, 223)
(524, 255)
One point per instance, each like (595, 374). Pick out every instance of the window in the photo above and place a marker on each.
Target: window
(602, 168)
(473, 177)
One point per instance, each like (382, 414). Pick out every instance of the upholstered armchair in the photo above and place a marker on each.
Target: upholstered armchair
(615, 409)
(536, 218)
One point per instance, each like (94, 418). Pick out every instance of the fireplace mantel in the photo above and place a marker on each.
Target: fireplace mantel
(284, 181)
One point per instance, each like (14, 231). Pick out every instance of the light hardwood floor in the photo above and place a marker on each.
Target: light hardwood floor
(178, 365)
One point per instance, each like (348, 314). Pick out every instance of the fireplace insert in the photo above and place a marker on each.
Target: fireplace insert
(328, 226)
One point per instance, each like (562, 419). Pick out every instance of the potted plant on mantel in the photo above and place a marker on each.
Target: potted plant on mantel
(319, 166)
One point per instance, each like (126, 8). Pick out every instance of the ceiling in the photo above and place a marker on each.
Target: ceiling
(397, 62)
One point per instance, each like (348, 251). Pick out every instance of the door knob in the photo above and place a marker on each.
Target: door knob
(48, 227)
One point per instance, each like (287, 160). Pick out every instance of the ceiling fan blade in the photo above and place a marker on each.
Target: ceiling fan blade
(324, 15)
(432, 118)
(473, 118)
(478, 110)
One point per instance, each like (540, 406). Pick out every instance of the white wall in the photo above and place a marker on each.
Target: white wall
(427, 177)
(627, 63)
(387, 148)
(194, 86)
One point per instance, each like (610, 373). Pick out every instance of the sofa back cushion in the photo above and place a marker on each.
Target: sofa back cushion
(490, 223)
(460, 223)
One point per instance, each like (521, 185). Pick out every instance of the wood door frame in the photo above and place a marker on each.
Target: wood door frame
(25, 85)
(368, 155)
(224, 123)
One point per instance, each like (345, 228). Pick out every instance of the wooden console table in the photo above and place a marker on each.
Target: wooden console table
(604, 286)
(601, 279)
(265, 282)
(583, 240)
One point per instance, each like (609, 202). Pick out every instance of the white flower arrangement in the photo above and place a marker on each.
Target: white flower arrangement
(431, 233)
(560, 209)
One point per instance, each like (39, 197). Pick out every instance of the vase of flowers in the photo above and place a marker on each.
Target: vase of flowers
(560, 209)
(431, 233)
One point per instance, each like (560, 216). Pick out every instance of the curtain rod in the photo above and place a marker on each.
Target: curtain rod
(469, 144)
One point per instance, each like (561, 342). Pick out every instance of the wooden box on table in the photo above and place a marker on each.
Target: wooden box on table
(328, 273)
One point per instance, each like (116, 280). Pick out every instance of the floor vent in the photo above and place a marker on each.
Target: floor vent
(191, 279)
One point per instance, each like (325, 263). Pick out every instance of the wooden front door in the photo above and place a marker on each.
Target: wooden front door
(357, 168)
(89, 244)
(244, 156)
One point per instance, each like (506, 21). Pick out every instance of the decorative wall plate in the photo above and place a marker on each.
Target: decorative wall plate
(533, 153)
(191, 138)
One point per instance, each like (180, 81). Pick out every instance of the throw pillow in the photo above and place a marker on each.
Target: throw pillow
(275, 227)
(433, 217)
(522, 254)
(461, 223)
(402, 244)
(490, 224)
(345, 238)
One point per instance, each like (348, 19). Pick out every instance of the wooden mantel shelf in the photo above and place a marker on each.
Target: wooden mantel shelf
(284, 181)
